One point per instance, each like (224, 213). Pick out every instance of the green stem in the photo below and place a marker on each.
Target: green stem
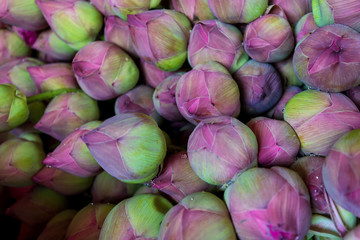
(50, 94)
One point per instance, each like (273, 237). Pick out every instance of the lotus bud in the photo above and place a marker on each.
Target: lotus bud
(177, 179)
(277, 141)
(20, 160)
(54, 76)
(309, 169)
(117, 31)
(203, 210)
(207, 91)
(62, 182)
(195, 10)
(75, 22)
(15, 72)
(164, 98)
(138, 217)
(18, 192)
(277, 112)
(354, 95)
(22, 13)
(65, 113)
(146, 190)
(38, 206)
(287, 73)
(277, 10)
(29, 37)
(118, 190)
(153, 76)
(320, 119)
(354, 234)
(13, 107)
(238, 11)
(260, 87)
(343, 157)
(294, 9)
(123, 8)
(104, 71)
(103, 6)
(305, 26)
(322, 226)
(12, 46)
(216, 160)
(269, 204)
(73, 156)
(262, 45)
(161, 37)
(129, 146)
(87, 223)
(137, 100)
(212, 40)
(52, 46)
(56, 228)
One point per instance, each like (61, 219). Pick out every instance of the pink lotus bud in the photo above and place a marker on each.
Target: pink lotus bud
(123, 8)
(277, 141)
(294, 9)
(237, 11)
(56, 228)
(354, 95)
(221, 148)
(269, 204)
(38, 206)
(207, 91)
(263, 45)
(107, 189)
(153, 75)
(67, 112)
(104, 71)
(354, 234)
(287, 73)
(53, 76)
(129, 146)
(200, 215)
(29, 37)
(212, 40)
(103, 6)
(117, 31)
(87, 223)
(277, 112)
(73, 156)
(305, 26)
(260, 87)
(161, 37)
(195, 10)
(18, 192)
(344, 158)
(22, 13)
(12, 47)
(320, 119)
(177, 179)
(325, 60)
(164, 98)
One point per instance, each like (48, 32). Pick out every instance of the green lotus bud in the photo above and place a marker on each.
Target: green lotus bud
(12, 46)
(323, 227)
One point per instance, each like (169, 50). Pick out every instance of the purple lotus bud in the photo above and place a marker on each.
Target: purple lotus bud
(322, 228)
(22, 13)
(354, 95)
(177, 178)
(153, 75)
(53, 47)
(164, 98)
(87, 223)
(195, 10)
(129, 146)
(277, 10)
(56, 228)
(29, 37)
(53, 76)
(269, 204)
(200, 215)
(73, 156)
(123, 8)
(354, 234)
(260, 87)
(320, 119)
(161, 37)
(344, 157)
(287, 73)
(138, 217)
(325, 60)
(117, 31)
(15, 72)
(221, 148)
(38, 206)
(263, 45)
(65, 113)
(118, 190)
(277, 141)
(103, 6)
(305, 26)
(294, 9)
(104, 71)
(137, 100)
(237, 11)
(207, 91)
(212, 40)
(277, 112)
(20, 160)
(12, 46)
(309, 169)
